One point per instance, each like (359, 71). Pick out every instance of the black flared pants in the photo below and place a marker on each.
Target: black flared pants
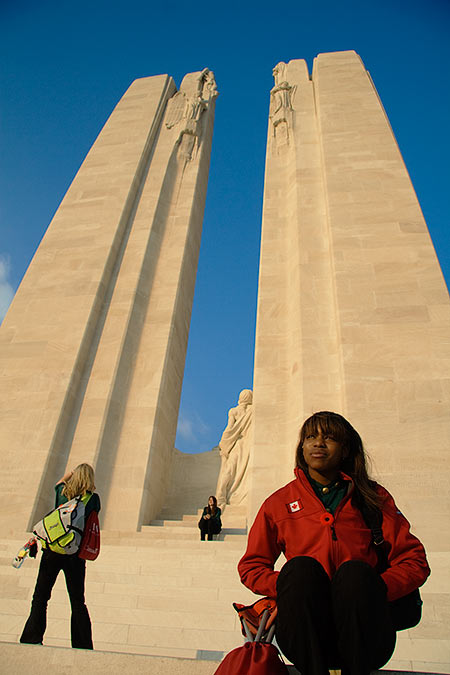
(74, 569)
(342, 623)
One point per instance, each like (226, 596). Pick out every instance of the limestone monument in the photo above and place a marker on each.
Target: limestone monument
(353, 315)
(93, 346)
(234, 452)
(353, 312)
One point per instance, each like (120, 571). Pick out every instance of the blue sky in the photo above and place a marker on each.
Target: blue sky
(64, 66)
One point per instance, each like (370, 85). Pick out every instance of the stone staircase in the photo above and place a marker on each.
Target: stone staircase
(234, 522)
(158, 592)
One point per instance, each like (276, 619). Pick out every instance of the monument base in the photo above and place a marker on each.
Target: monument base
(163, 595)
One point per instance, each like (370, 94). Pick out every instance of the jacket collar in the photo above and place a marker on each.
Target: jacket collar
(300, 475)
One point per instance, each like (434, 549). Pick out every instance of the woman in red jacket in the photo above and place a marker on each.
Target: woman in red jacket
(333, 609)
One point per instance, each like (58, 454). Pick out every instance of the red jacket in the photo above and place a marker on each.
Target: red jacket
(292, 521)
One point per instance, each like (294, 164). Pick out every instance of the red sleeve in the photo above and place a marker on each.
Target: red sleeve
(256, 566)
(407, 559)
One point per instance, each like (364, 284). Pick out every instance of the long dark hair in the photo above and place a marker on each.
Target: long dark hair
(354, 463)
(212, 509)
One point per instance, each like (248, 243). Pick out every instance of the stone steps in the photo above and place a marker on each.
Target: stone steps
(169, 529)
(161, 592)
(158, 594)
(46, 660)
(193, 523)
(230, 513)
(17, 658)
(234, 524)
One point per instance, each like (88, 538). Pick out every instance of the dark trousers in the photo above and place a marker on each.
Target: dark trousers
(74, 569)
(208, 527)
(342, 623)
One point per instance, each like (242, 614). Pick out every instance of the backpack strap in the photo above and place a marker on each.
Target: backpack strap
(406, 611)
(373, 517)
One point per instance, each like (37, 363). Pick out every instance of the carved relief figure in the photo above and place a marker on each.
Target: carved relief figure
(234, 450)
(280, 73)
(188, 107)
(281, 97)
(210, 87)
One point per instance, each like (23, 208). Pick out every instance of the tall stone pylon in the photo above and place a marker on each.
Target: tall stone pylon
(353, 312)
(93, 347)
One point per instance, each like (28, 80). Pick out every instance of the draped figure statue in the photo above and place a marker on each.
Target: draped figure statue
(234, 451)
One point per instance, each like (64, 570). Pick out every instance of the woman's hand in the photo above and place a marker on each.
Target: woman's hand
(67, 476)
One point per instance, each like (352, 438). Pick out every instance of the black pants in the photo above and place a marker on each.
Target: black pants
(339, 624)
(74, 569)
(208, 527)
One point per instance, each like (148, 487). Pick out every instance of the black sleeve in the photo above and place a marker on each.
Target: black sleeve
(92, 505)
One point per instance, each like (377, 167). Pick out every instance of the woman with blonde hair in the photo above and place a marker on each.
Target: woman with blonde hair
(79, 482)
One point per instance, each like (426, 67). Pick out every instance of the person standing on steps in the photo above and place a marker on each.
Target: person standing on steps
(332, 596)
(78, 482)
(210, 522)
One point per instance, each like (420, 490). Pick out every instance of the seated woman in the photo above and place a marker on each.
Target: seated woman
(333, 609)
(210, 522)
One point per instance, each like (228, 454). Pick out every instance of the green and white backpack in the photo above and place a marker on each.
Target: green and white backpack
(61, 530)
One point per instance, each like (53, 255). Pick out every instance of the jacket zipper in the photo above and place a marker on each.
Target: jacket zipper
(332, 524)
(333, 532)
(334, 517)
(333, 527)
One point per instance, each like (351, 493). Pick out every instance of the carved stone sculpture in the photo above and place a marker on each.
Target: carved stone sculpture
(281, 97)
(234, 451)
(186, 108)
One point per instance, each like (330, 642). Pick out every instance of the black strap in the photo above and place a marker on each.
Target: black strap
(373, 517)
(406, 611)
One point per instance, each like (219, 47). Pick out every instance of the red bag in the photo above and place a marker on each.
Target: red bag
(251, 616)
(90, 544)
(253, 658)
